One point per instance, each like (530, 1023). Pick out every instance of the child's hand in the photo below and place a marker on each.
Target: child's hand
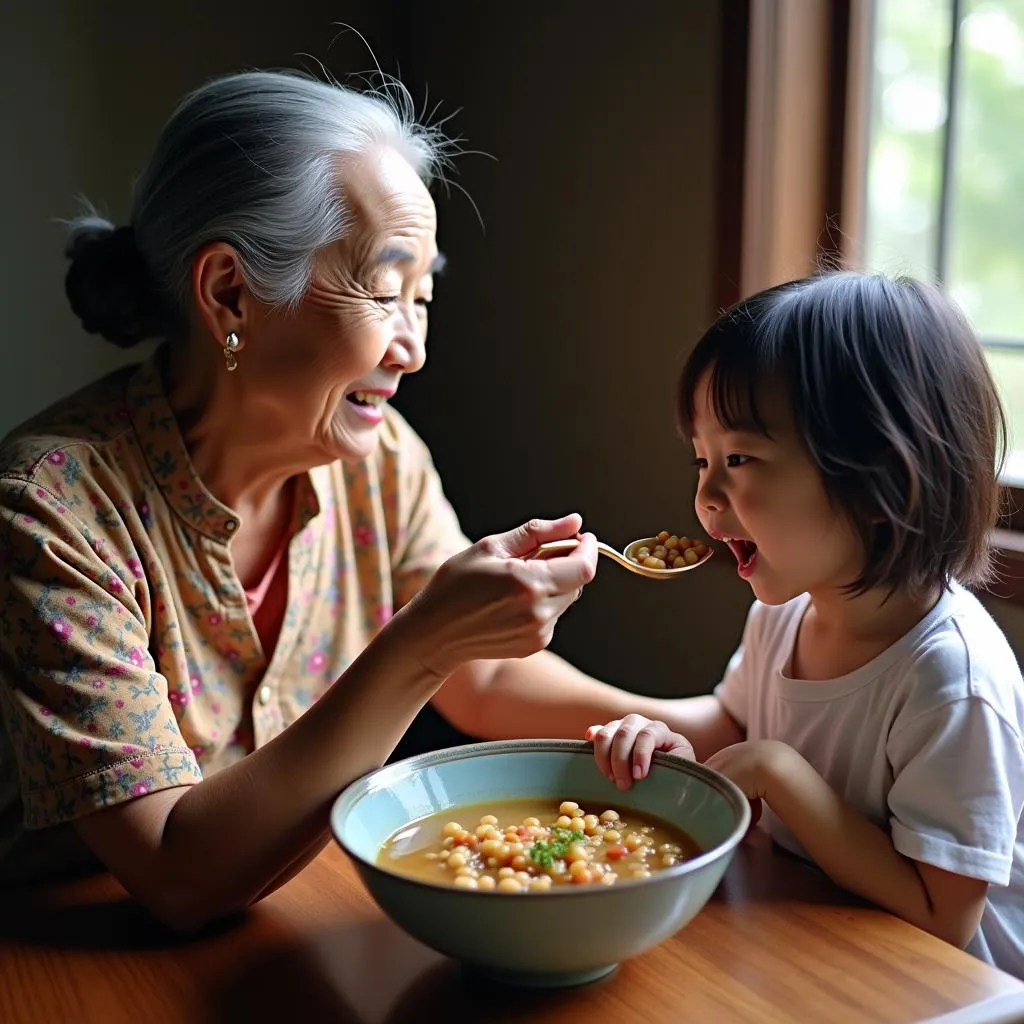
(623, 748)
(751, 765)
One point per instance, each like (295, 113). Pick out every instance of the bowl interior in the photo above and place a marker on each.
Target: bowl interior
(708, 807)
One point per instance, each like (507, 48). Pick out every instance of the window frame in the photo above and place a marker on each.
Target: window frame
(792, 157)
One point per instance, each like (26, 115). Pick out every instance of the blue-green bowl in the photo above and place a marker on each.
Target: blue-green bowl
(568, 935)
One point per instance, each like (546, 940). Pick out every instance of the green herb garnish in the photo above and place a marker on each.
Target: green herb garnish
(546, 851)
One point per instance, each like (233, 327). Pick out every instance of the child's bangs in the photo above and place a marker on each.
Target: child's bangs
(737, 371)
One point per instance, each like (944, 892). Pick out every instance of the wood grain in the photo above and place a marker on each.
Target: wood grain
(777, 942)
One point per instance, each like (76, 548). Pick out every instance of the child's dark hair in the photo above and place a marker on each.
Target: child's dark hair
(892, 393)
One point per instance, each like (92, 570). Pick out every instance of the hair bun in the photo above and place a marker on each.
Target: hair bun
(109, 286)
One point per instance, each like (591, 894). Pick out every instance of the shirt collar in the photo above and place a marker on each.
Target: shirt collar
(172, 469)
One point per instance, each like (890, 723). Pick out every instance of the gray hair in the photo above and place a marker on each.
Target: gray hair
(250, 159)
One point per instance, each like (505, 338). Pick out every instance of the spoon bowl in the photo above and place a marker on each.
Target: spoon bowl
(624, 557)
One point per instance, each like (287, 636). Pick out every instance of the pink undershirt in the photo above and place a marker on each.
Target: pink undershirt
(268, 600)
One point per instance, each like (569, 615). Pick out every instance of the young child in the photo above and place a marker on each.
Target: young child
(847, 437)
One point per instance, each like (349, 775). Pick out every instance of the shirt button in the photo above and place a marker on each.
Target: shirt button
(264, 695)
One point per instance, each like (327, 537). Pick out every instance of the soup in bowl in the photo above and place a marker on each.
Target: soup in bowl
(484, 852)
(530, 846)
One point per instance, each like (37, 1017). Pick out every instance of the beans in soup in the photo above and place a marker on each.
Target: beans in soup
(518, 846)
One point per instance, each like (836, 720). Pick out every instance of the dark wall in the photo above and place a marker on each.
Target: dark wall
(559, 328)
(84, 91)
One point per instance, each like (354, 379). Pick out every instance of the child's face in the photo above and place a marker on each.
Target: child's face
(765, 495)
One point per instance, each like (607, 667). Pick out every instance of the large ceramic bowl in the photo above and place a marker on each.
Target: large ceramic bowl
(568, 935)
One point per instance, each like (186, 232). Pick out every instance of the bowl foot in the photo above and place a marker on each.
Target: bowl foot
(541, 979)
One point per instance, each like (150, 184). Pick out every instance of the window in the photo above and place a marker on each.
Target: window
(944, 192)
(887, 134)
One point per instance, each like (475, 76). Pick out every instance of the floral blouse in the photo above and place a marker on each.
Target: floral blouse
(128, 657)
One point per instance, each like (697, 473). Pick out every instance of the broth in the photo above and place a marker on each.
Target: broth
(533, 846)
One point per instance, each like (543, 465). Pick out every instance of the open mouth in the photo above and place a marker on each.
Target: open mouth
(366, 398)
(744, 550)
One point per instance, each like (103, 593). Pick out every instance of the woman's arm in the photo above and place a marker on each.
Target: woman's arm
(193, 854)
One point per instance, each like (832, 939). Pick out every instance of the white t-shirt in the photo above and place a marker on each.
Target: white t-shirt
(925, 741)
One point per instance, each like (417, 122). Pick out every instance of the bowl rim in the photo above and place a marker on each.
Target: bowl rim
(388, 775)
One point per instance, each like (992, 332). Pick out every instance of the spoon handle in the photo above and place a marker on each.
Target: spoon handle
(560, 547)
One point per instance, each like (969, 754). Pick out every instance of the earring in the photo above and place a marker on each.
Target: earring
(231, 346)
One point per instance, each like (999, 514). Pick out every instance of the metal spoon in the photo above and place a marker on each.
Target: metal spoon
(557, 547)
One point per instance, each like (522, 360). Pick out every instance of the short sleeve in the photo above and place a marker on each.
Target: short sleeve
(735, 691)
(428, 531)
(958, 789)
(85, 712)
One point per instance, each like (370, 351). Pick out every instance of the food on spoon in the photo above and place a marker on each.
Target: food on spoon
(670, 551)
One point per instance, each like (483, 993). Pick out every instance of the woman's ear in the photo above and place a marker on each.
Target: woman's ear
(221, 295)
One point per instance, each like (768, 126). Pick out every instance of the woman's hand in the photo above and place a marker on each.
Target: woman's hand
(623, 748)
(491, 602)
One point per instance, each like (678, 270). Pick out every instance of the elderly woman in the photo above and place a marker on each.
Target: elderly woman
(229, 578)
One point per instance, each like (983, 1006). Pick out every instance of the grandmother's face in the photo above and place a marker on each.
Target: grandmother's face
(363, 323)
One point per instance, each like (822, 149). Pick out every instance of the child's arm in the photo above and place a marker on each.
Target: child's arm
(705, 722)
(623, 747)
(851, 850)
(543, 695)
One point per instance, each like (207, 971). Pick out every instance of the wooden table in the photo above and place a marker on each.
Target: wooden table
(778, 942)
